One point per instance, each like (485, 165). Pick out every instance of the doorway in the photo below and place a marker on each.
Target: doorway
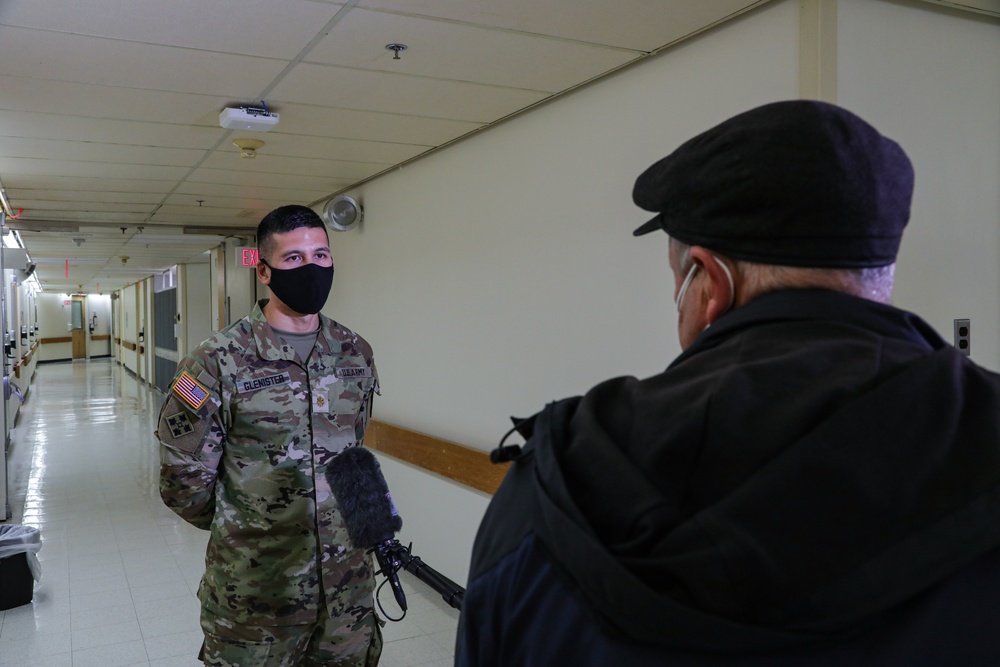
(79, 334)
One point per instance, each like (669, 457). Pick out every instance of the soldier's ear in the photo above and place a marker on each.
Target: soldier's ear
(263, 272)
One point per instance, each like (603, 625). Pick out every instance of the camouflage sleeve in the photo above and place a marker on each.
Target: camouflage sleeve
(365, 414)
(191, 432)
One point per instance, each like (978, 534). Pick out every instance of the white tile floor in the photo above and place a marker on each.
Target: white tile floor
(119, 570)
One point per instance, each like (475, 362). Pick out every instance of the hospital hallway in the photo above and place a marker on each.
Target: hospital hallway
(119, 571)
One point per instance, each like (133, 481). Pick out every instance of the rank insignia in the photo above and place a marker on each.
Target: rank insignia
(190, 391)
(180, 425)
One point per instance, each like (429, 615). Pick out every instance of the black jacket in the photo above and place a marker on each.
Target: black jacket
(816, 480)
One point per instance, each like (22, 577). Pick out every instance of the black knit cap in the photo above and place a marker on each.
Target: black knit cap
(797, 183)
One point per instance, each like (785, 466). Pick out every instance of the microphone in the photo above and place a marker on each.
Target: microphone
(371, 518)
(504, 453)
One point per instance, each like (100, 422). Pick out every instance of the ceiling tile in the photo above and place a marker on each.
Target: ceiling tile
(136, 133)
(263, 179)
(109, 109)
(28, 197)
(68, 168)
(641, 25)
(100, 101)
(88, 184)
(397, 93)
(38, 54)
(449, 50)
(325, 121)
(223, 195)
(92, 151)
(266, 165)
(233, 26)
(55, 208)
(329, 148)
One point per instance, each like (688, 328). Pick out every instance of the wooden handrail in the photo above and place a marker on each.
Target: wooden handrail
(63, 339)
(462, 464)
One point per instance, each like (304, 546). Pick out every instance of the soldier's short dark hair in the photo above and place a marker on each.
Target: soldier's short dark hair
(284, 219)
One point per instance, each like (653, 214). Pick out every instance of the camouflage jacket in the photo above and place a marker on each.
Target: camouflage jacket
(246, 434)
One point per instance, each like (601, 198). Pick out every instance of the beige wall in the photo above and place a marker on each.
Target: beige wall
(241, 282)
(100, 305)
(501, 273)
(130, 323)
(930, 78)
(54, 319)
(195, 303)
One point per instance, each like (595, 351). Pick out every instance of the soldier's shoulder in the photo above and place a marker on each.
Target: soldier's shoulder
(347, 335)
(231, 341)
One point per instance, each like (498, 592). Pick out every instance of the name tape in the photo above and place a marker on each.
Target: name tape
(260, 383)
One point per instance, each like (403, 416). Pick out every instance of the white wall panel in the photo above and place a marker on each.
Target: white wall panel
(930, 78)
(53, 322)
(130, 326)
(196, 304)
(501, 273)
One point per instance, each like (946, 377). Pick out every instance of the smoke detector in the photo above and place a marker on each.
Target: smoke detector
(248, 147)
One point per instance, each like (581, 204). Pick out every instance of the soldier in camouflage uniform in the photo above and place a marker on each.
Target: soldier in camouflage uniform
(254, 416)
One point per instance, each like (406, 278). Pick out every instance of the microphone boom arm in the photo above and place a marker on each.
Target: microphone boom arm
(451, 592)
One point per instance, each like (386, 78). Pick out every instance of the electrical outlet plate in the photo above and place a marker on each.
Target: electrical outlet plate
(963, 330)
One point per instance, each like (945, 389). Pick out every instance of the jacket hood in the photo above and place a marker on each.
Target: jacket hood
(846, 462)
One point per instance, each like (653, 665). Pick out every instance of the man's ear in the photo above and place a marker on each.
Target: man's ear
(263, 273)
(721, 293)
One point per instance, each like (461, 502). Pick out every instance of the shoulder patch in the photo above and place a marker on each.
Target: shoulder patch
(190, 390)
(180, 425)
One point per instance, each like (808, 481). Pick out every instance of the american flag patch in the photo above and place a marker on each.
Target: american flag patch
(188, 389)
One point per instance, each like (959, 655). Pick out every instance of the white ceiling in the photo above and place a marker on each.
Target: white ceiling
(109, 109)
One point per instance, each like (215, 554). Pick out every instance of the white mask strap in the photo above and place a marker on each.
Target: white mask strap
(684, 286)
(690, 276)
(732, 285)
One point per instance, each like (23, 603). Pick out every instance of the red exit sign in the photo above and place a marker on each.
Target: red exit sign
(246, 256)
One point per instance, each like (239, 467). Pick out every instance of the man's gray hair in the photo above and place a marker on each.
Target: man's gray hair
(874, 284)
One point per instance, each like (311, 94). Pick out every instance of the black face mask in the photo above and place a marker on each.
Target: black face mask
(304, 289)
